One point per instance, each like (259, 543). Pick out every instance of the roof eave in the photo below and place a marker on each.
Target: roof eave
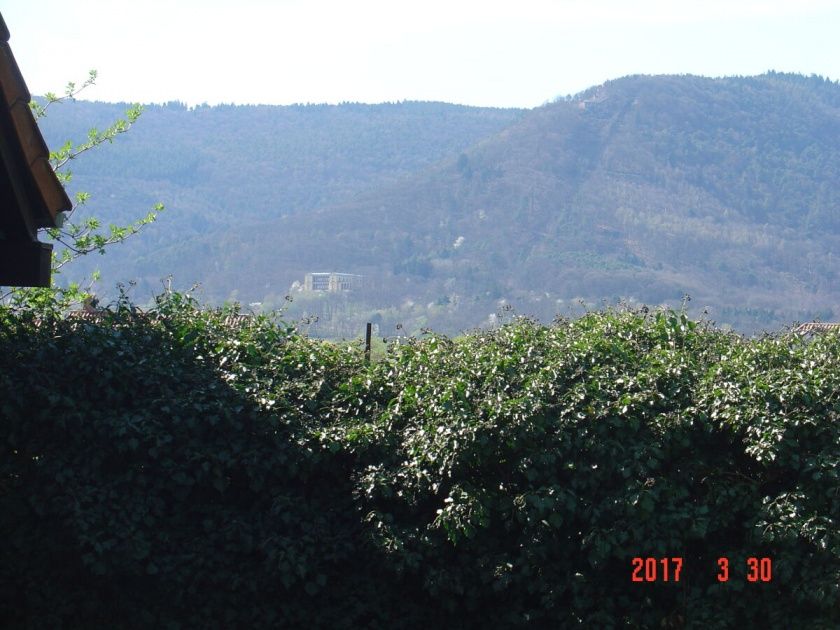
(50, 197)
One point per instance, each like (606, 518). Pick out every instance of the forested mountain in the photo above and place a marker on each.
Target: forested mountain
(644, 189)
(229, 165)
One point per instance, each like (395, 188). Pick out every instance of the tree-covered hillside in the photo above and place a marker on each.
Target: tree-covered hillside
(225, 166)
(643, 189)
(263, 162)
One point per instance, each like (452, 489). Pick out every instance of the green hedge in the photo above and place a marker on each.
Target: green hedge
(186, 469)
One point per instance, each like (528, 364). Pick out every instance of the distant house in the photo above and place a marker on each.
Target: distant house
(817, 327)
(332, 282)
(316, 282)
(31, 197)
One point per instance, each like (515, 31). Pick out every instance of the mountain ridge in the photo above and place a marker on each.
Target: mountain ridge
(644, 188)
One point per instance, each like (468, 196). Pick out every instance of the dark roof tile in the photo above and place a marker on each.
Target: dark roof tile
(815, 327)
(4, 31)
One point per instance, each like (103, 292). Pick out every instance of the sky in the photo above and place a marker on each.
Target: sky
(500, 53)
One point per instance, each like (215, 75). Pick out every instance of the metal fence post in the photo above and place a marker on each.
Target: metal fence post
(367, 342)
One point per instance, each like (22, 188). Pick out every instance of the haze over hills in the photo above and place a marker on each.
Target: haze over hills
(643, 189)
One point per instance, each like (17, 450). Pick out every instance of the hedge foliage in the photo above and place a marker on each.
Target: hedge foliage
(186, 469)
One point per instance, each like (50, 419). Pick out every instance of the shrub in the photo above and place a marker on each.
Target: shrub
(193, 468)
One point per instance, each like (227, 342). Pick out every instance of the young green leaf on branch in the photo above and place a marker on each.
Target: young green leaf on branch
(77, 238)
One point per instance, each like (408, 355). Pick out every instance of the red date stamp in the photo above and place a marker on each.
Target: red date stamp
(657, 569)
(670, 569)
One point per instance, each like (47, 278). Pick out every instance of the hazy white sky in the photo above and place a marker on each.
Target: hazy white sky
(477, 52)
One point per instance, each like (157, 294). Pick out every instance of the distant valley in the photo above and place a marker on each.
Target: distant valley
(641, 190)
